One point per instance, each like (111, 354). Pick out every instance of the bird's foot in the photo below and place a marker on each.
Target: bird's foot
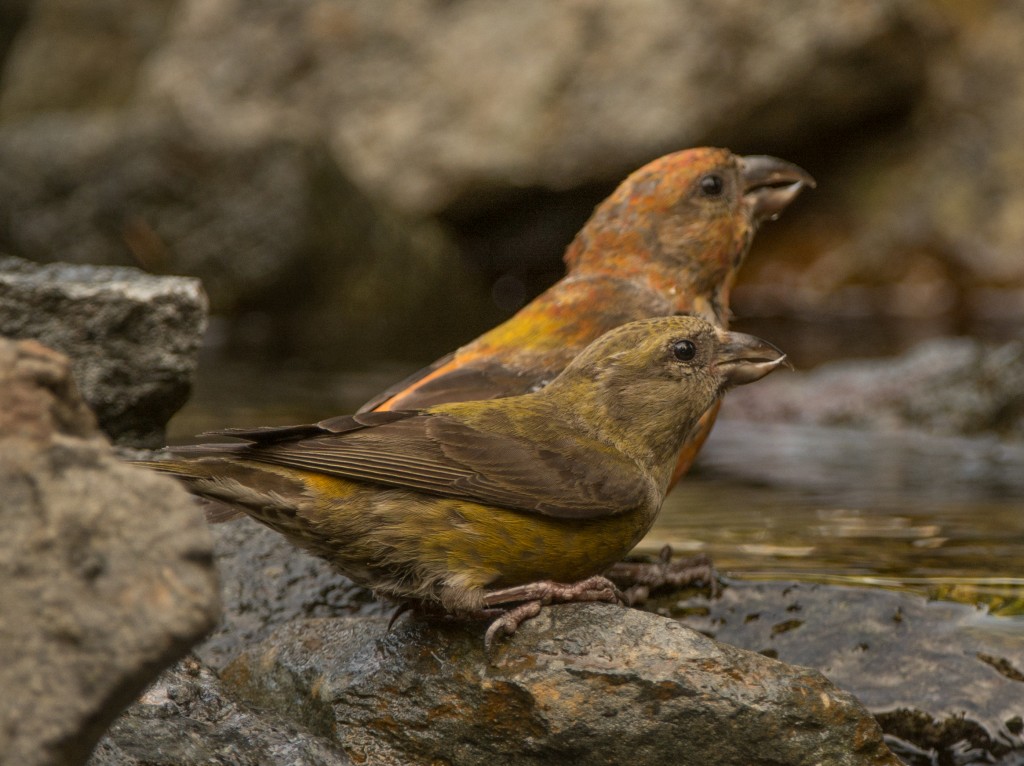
(638, 579)
(509, 622)
(536, 595)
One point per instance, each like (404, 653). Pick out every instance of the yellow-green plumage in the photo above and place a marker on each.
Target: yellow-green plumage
(456, 500)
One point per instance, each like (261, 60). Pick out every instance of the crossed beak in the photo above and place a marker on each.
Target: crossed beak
(742, 358)
(770, 184)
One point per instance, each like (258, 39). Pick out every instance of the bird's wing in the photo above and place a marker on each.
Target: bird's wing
(440, 455)
(265, 435)
(450, 380)
(391, 391)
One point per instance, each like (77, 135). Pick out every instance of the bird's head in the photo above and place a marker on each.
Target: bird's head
(685, 222)
(644, 385)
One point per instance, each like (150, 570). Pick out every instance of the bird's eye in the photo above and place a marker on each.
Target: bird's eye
(711, 185)
(684, 350)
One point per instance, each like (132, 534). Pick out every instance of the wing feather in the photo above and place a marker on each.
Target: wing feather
(573, 477)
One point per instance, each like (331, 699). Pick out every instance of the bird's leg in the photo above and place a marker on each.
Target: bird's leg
(638, 578)
(536, 595)
(596, 588)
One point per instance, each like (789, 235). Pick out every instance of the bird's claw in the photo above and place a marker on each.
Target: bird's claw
(638, 579)
(509, 622)
(401, 609)
(534, 596)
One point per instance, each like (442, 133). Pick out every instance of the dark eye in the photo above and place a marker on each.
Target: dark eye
(711, 185)
(684, 350)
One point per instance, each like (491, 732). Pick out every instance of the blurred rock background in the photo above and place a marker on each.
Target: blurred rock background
(378, 179)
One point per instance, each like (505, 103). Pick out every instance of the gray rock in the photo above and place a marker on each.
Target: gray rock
(267, 582)
(578, 684)
(945, 677)
(907, 112)
(103, 43)
(106, 570)
(13, 14)
(133, 338)
(922, 219)
(405, 92)
(137, 188)
(948, 386)
(186, 719)
(271, 226)
(883, 647)
(966, 129)
(900, 468)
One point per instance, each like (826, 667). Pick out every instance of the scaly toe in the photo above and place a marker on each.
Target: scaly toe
(509, 622)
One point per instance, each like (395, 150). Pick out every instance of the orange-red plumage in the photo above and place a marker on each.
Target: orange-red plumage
(669, 240)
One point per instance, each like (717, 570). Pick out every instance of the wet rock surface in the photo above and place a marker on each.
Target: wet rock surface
(106, 572)
(133, 339)
(186, 719)
(942, 677)
(577, 683)
(266, 582)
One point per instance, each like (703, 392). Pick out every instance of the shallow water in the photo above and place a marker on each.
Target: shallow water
(942, 516)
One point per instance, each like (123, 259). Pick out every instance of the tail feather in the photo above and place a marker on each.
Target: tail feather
(177, 468)
(215, 510)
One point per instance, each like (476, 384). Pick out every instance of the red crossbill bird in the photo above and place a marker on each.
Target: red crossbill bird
(473, 505)
(669, 240)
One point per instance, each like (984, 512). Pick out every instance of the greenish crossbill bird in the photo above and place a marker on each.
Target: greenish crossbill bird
(473, 505)
(670, 240)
